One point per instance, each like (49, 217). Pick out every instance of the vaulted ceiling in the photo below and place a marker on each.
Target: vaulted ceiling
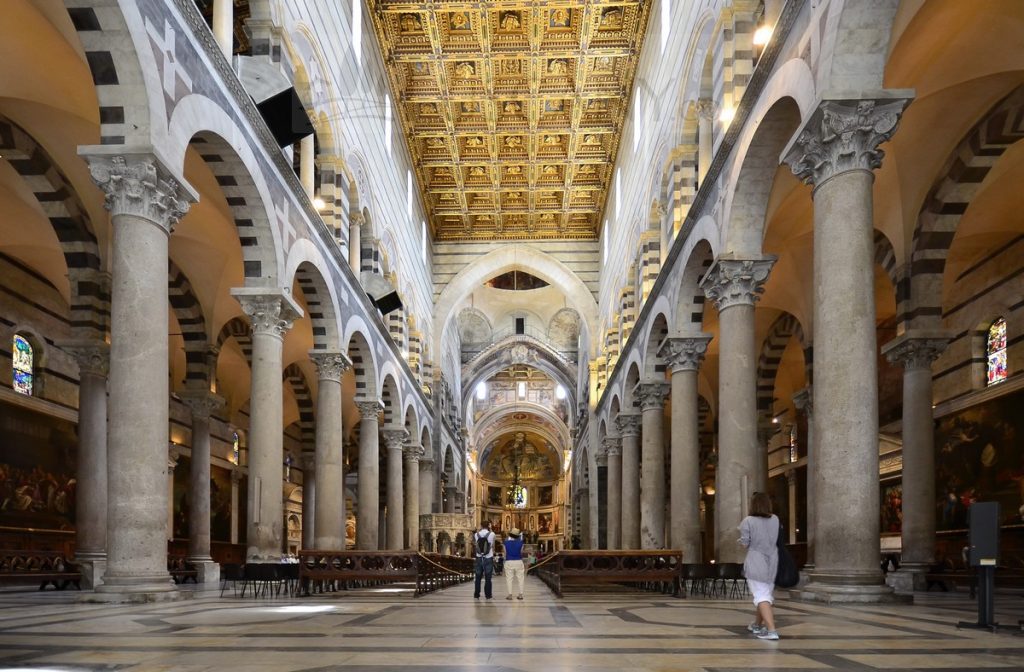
(512, 110)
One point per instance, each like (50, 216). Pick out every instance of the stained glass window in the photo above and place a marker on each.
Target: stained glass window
(234, 448)
(996, 351)
(22, 365)
(517, 497)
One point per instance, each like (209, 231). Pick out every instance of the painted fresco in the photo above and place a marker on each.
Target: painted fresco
(980, 457)
(892, 507)
(37, 470)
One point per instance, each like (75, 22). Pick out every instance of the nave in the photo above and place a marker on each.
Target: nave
(449, 631)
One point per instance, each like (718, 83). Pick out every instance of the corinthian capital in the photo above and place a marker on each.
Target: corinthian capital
(270, 311)
(612, 445)
(356, 219)
(736, 282)
(844, 134)
(202, 403)
(412, 452)
(628, 423)
(369, 409)
(139, 185)
(330, 364)
(684, 353)
(917, 348)
(92, 355)
(705, 108)
(394, 439)
(651, 394)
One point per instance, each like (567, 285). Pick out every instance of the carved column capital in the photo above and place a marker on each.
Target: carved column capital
(369, 409)
(330, 364)
(651, 394)
(705, 109)
(139, 185)
(271, 311)
(172, 459)
(237, 475)
(356, 219)
(612, 445)
(804, 401)
(628, 423)
(308, 463)
(734, 282)
(412, 452)
(843, 134)
(92, 355)
(395, 439)
(426, 461)
(916, 349)
(684, 353)
(202, 403)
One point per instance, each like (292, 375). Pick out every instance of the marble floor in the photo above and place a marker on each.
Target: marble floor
(449, 630)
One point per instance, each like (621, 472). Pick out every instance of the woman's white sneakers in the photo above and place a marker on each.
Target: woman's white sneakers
(755, 628)
(767, 634)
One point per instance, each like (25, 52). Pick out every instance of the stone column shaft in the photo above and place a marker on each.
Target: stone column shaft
(394, 440)
(803, 401)
(236, 476)
(916, 349)
(368, 494)
(684, 355)
(202, 403)
(411, 471)
(734, 284)
(224, 25)
(652, 495)
(307, 165)
(837, 151)
(426, 485)
(271, 314)
(329, 511)
(355, 252)
(308, 502)
(613, 529)
(705, 112)
(629, 425)
(145, 201)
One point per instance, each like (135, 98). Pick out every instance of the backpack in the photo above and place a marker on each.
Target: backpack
(483, 544)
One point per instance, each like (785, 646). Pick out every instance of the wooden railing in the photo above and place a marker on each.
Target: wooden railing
(653, 570)
(321, 571)
(42, 567)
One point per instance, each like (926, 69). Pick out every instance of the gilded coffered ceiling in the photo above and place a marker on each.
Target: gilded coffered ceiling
(512, 111)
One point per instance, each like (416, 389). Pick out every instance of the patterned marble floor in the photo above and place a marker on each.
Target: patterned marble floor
(449, 630)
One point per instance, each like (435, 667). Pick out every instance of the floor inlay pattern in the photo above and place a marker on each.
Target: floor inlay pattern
(449, 630)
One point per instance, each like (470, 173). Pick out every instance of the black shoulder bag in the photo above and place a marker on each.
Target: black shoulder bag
(787, 575)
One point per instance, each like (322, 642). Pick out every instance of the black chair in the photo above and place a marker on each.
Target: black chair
(234, 574)
(702, 578)
(262, 577)
(733, 583)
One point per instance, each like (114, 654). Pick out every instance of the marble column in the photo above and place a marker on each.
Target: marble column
(836, 152)
(368, 489)
(355, 252)
(449, 498)
(803, 401)
(791, 524)
(145, 201)
(172, 463)
(394, 441)
(93, 358)
(705, 119)
(916, 349)
(203, 404)
(224, 25)
(629, 426)
(735, 284)
(307, 165)
(426, 466)
(329, 510)
(411, 470)
(652, 493)
(684, 355)
(236, 476)
(613, 527)
(271, 313)
(308, 502)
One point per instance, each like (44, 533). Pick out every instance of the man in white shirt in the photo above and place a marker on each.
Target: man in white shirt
(483, 549)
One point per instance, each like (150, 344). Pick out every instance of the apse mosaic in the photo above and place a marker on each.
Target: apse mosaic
(512, 111)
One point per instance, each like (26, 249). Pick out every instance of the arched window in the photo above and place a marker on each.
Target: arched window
(22, 361)
(996, 351)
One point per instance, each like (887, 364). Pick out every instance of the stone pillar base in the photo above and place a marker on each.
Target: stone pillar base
(92, 570)
(136, 589)
(846, 594)
(207, 571)
(907, 579)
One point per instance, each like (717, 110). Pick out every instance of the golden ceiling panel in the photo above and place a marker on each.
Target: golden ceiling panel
(512, 109)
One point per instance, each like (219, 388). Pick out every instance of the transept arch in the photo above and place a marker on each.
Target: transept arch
(364, 366)
(321, 301)
(689, 311)
(392, 402)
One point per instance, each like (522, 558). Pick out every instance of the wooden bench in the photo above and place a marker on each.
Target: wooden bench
(660, 570)
(181, 570)
(42, 567)
(325, 570)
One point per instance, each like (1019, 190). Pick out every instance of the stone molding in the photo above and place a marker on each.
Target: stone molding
(330, 364)
(843, 134)
(612, 445)
(172, 459)
(652, 394)
(237, 475)
(736, 282)
(93, 356)
(628, 423)
(270, 312)
(394, 439)
(139, 185)
(426, 462)
(356, 219)
(370, 409)
(202, 403)
(804, 401)
(685, 353)
(916, 349)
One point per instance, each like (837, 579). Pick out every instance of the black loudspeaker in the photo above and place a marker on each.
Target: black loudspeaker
(387, 303)
(285, 117)
(983, 540)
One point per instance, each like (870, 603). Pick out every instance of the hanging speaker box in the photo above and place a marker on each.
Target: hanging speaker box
(286, 118)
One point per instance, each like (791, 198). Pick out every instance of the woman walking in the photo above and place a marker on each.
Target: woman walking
(759, 533)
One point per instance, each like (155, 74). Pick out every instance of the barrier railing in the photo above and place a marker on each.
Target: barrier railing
(660, 570)
(321, 571)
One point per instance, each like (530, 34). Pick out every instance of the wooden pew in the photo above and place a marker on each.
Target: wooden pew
(658, 569)
(42, 567)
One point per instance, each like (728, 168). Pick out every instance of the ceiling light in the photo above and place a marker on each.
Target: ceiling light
(559, 392)
(318, 203)
(726, 115)
(762, 35)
